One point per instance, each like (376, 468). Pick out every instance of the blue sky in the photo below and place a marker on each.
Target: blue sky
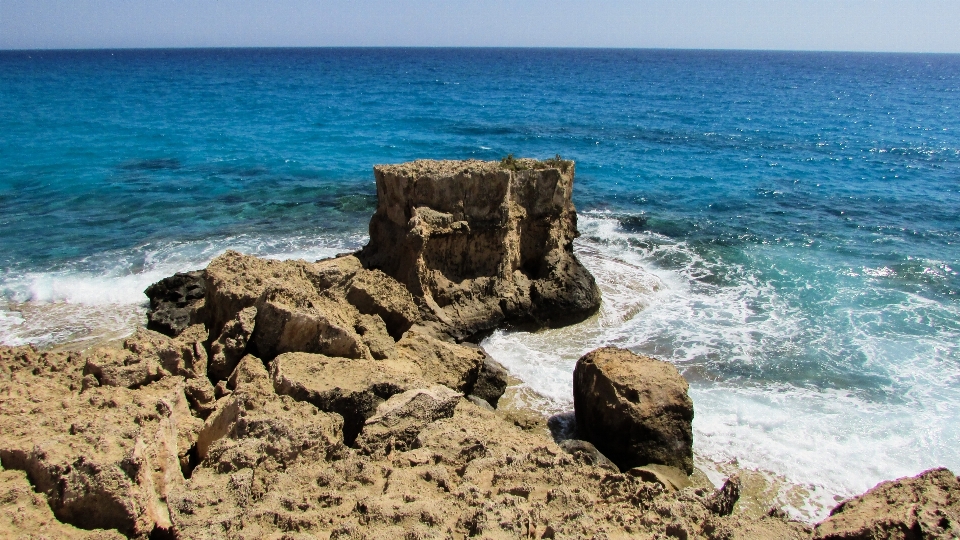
(853, 25)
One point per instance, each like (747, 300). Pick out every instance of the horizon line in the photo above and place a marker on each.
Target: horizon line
(488, 47)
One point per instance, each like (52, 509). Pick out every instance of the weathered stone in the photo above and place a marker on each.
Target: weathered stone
(253, 423)
(373, 333)
(292, 320)
(176, 303)
(588, 453)
(722, 501)
(106, 458)
(635, 409)
(231, 346)
(351, 388)
(491, 381)
(479, 244)
(925, 506)
(452, 365)
(400, 419)
(673, 479)
(375, 293)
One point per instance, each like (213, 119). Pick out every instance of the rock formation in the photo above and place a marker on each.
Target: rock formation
(634, 409)
(479, 244)
(337, 399)
(925, 506)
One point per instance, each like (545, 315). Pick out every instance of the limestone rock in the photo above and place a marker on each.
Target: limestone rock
(231, 346)
(491, 381)
(587, 453)
(148, 356)
(176, 303)
(400, 419)
(673, 479)
(293, 320)
(925, 506)
(351, 388)
(634, 409)
(452, 365)
(253, 424)
(106, 458)
(479, 244)
(26, 514)
(375, 293)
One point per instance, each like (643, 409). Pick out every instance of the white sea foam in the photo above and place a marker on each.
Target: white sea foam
(834, 437)
(102, 297)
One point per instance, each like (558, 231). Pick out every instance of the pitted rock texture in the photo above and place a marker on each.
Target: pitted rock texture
(480, 245)
(925, 506)
(634, 409)
(176, 303)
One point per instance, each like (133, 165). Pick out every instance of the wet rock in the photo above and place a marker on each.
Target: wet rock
(400, 419)
(176, 303)
(491, 381)
(722, 501)
(634, 409)
(351, 388)
(925, 506)
(478, 244)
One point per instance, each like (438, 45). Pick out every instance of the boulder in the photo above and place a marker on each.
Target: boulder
(176, 303)
(491, 381)
(400, 419)
(635, 409)
(351, 388)
(374, 293)
(925, 506)
(480, 243)
(450, 364)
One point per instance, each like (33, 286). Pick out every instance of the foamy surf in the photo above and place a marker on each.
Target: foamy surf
(101, 298)
(823, 409)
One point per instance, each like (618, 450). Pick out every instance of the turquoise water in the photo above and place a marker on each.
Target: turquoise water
(784, 227)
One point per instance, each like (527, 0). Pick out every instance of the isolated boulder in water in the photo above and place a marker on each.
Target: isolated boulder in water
(635, 409)
(176, 302)
(925, 506)
(479, 243)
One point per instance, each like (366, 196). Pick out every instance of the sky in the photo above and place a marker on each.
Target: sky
(839, 25)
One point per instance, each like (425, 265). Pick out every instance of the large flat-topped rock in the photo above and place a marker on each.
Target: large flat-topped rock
(482, 243)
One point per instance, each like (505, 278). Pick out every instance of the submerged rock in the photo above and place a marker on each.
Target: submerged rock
(635, 409)
(479, 244)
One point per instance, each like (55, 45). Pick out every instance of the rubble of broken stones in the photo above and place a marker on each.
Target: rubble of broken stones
(342, 399)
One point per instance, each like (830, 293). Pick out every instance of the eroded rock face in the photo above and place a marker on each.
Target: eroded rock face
(176, 303)
(635, 409)
(925, 506)
(479, 245)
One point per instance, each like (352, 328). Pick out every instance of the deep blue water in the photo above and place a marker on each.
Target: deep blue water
(802, 210)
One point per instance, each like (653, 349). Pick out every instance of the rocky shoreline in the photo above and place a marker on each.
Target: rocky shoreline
(345, 398)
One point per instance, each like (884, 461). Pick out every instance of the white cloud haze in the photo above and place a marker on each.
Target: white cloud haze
(849, 25)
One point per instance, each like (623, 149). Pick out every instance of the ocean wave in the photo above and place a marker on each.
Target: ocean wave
(102, 296)
(831, 383)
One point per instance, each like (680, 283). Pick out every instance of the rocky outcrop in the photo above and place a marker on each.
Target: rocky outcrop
(479, 244)
(925, 506)
(399, 420)
(176, 303)
(635, 409)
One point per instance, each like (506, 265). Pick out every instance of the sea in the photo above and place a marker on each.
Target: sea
(784, 227)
